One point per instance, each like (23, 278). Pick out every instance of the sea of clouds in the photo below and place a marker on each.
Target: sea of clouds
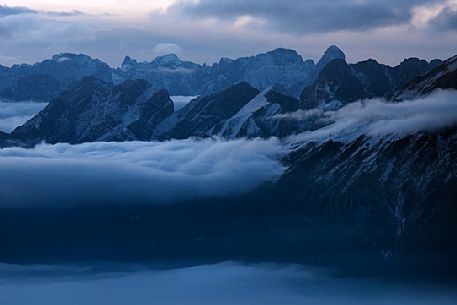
(228, 283)
(145, 172)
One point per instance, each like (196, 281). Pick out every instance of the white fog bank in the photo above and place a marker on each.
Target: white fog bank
(65, 174)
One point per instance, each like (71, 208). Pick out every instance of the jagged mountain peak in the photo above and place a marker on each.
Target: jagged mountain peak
(335, 51)
(128, 62)
(443, 76)
(332, 53)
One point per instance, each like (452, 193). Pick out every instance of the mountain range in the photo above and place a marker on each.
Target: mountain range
(96, 108)
(391, 196)
(46, 80)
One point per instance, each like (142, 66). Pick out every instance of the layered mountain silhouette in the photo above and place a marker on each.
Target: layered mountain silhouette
(387, 197)
(94, 109)
(46, 80)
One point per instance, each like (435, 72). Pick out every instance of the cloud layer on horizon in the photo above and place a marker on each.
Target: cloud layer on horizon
(204, 31)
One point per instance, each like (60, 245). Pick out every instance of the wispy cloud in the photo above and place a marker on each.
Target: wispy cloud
(15, 114)
(378, 118)
(15, 10)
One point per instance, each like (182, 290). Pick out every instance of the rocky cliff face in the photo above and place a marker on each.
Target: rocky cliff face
(335, 86)
(444, 76)
(200, 116)
(339, 83)
(94, 110)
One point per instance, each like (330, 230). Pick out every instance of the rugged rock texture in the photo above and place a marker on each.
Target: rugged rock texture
(340, 83)
(47, 79)
(375, 78)
(260, 117)
(443, 76)
(336, 84)
(94, 110)
(392, 196)
(240, 111)
(200, 116)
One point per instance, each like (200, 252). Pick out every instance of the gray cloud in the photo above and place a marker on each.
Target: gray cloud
(29, 35)
(14, 114)
(6, 10)
(446, 20)
(14, 10)
(72, 13)
(135, 172)
(307, 16)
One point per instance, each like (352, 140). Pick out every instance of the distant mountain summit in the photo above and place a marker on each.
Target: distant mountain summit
(96, 110)
(281, 66)
(45, 80)
(331, 54)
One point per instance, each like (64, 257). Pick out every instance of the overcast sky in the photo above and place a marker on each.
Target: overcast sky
(205, 30)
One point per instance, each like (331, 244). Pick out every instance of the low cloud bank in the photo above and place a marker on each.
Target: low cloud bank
(131, 172)
(376, 118)
(14, 114)
(228, 283)
(181, 101)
